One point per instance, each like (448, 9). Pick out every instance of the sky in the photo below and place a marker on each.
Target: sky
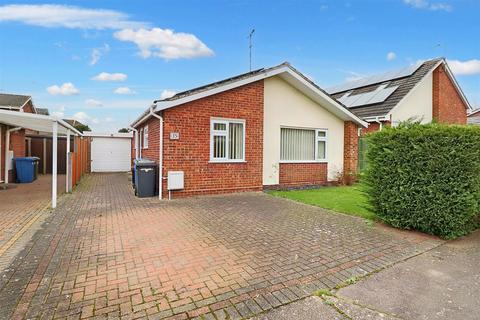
(104, 62)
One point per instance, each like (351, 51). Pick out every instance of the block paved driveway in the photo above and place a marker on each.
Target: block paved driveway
(22, 209)
(104, 253)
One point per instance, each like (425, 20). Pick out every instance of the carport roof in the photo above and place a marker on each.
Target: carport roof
(36, 122)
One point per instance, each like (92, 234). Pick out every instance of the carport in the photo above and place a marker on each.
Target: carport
(56, 127)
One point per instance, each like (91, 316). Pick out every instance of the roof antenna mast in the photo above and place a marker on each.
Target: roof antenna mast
(250, 46)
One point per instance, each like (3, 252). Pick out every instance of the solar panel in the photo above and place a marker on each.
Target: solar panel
(390, 75)
(379, 95)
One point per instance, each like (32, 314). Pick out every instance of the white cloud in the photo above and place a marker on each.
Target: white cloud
(425, 4)
(109, 119)
(97, 54)
(66, 89)
(105, 76)
(464, 68)
(167, 94)
(59, 113)
(51, 16)
(391, 56)
(165, 43)
(124, 90)
(93, 103)
(352, 76)
(85, 118)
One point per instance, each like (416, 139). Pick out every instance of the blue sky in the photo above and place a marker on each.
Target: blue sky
(104, 62)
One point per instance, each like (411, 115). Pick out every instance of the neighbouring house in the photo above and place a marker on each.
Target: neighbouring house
(77, 125)
(422, 92)
(267, 128)
(474, 117)
(43, 111)
(16, 136)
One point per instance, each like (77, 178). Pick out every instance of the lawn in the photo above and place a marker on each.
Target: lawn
(347, 199)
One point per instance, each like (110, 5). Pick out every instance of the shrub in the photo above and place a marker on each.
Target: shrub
(426, 177)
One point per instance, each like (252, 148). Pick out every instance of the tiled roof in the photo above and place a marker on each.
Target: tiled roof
(209, 86)
(405, 84)
(12, 100)
(43, 111)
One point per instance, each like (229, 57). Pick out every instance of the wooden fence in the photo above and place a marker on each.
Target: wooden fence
(80, 159)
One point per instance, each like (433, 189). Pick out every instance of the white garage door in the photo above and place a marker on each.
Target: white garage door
(110, 154)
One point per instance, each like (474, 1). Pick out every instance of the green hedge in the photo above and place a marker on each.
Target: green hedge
(426, 177)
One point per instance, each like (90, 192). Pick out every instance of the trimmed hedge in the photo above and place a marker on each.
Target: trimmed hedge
(426, 177)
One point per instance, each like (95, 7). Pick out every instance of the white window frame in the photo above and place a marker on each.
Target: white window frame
(227, 140)
(145, 137)
(317, 139)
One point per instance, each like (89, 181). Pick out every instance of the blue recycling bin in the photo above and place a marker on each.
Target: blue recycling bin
(26, 169)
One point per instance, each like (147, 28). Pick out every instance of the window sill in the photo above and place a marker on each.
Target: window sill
(227, 161)
(303, 161)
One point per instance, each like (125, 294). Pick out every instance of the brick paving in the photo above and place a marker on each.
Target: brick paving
(105, 254)
(22, 209)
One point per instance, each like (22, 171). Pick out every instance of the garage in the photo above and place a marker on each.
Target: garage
(110, 152)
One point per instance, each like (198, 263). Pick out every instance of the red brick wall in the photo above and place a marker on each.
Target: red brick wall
(191, 153)
(298, 174)
(17, 144)
(28, 107)
(350, 148)
(448, 106)
(374, 126)
(153, 142)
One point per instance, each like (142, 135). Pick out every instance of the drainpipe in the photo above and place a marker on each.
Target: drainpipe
(377, 120)
(7, 147)
(160, 152)
(135, 135)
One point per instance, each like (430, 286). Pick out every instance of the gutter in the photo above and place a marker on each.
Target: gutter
(160, 151)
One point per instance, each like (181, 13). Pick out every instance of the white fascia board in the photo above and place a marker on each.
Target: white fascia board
(457, 86)
(162, 105)
(23, 105)
(414, 87)
(376, 119)
(473, 112)
(332, 104)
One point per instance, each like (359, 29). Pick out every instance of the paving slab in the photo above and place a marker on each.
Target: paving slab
(443, 283)
(311, 308)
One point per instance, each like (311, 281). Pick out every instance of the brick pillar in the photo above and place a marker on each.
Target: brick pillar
(350, 148)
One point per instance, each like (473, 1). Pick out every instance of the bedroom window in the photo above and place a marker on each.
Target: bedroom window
(303, 145)
(227, 140)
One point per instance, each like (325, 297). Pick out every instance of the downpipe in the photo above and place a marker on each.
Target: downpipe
(160, 152)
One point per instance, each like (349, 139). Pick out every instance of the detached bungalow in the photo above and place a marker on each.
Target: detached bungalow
(266, 128)
(424, 92)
